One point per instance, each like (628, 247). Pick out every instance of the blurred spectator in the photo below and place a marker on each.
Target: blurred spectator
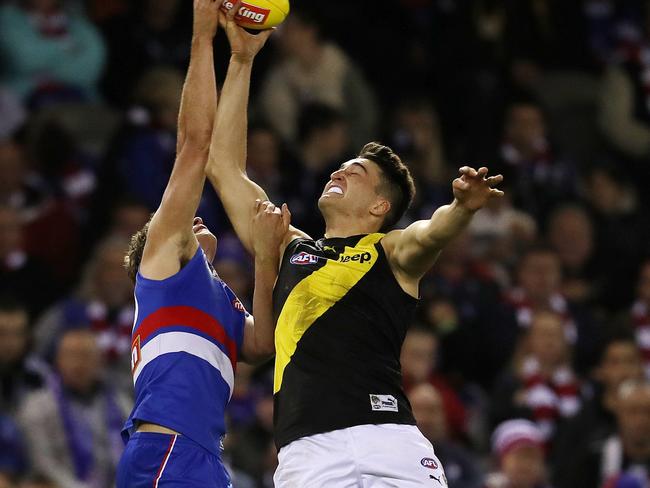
(146, 148)
(418, 360)
(152, 33)
(461, 468)
(50, 231)
(18, 269)
(571, 235)
(323, 147)
(518, 446)
(620, 361)
(264, 153)
(541, 385)
(19, 372)
(104, 304)
(37, 481)
(623, 459)
(416, 137)
(619, 250)
(13, 461)
(641, 315)
(49, 52)
(127, 218)
(458, 296)
(73, 425)
(624, 110)
(539, 281)
(61, 163)
(13, 114)
(499, 232)
(314, 70)
(233, 265)
(252, 450)
(539, 178)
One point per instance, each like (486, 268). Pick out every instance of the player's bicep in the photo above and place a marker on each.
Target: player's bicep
(412, 250)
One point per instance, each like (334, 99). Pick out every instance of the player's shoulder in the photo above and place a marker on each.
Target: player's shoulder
(390, 239)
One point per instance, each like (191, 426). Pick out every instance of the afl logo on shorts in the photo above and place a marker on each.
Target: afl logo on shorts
(429, 463)
(303, 258)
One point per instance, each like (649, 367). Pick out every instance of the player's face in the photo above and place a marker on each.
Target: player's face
(207, 240)
(352, 190)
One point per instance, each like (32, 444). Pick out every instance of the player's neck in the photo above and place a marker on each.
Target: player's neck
(346, 227)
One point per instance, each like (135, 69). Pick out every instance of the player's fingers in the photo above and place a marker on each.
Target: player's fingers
(460, 184)
(482, 171)
(233, 11)
(468, 171)
(496, 193)
(494, 180)
(265, 34)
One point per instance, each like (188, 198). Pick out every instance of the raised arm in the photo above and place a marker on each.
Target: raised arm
(414, 250)
(269, 228)
(170, 239)
(227, 161)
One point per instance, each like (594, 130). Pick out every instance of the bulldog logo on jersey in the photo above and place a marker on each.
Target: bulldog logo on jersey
(136, 355)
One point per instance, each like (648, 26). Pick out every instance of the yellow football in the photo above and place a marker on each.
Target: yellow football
(259, 14)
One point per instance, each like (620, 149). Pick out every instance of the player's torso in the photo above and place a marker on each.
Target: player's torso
(341, 320)
(187, 333)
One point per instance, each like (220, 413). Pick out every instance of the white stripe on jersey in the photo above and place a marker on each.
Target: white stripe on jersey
(193, 344)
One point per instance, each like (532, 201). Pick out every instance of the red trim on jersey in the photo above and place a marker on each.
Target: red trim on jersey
(172, 441)
(185, 316)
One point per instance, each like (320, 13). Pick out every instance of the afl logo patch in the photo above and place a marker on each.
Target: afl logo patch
(238, 305)
(429, 463)
(303, 258)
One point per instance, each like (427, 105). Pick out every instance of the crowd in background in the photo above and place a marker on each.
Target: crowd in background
(529, 364)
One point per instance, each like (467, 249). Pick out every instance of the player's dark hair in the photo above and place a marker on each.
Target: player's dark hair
(397, 182)
(134, 254)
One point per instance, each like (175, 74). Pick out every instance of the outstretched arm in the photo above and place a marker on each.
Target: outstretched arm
(269, 228)
(414, 250)
(227, 161)
(170, 239)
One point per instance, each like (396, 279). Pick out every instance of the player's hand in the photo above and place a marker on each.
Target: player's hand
(473, 189)
(243, 45)
(206, 18)
(269, 227)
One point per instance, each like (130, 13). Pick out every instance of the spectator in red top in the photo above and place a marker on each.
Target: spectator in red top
(541, 385)
(418, 358)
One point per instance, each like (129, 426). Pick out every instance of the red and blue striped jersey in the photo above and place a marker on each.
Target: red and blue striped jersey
(187, 334)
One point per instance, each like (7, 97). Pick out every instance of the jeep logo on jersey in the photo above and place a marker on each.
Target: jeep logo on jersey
(250, 13)
(364, 257)
(429, 463)
(303, 258)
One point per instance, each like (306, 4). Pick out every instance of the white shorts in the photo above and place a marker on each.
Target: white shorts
(364, 456)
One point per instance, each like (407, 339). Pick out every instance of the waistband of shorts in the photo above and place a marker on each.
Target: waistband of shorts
(181, 440)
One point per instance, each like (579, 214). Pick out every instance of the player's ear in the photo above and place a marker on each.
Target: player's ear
(380, 208)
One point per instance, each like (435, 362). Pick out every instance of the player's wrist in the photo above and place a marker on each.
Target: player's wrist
(462, 207)
(200, 36)
(242, 58)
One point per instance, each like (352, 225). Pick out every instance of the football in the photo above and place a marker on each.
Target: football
(259, 14)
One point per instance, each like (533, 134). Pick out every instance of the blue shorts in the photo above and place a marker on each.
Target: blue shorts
(153, 460)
